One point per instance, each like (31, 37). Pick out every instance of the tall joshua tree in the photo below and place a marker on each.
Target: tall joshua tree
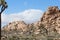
(3, 6)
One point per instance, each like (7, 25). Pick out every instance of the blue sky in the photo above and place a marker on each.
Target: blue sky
(15, 6)
(26, 10)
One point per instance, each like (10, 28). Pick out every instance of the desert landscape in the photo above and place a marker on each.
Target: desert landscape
(47, 28)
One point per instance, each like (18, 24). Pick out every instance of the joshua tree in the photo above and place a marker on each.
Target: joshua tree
(3, 6)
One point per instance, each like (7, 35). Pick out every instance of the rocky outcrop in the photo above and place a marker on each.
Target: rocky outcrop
(51, 19)
(17, 25)
(50, 22)
(48, 27)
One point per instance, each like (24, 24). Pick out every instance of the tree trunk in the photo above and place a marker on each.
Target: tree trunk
(0, 25)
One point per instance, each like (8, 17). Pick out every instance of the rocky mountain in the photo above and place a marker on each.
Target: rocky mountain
(15, 26)
(49, 25)
(51, 19)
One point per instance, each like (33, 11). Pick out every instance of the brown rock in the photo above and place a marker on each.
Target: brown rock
(50, 21)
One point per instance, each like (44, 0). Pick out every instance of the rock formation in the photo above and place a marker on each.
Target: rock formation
(17, 25)
(48, 25)
(50, 19)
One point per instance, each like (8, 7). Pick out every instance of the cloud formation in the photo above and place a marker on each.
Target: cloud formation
(29, 16)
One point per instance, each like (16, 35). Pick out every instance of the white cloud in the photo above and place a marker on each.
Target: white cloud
(29, 16)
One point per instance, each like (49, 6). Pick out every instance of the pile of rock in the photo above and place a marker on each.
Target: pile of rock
(17, 25)
(50, 20)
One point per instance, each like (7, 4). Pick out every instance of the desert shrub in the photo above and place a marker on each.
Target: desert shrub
(13, 37)
(43, 30)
